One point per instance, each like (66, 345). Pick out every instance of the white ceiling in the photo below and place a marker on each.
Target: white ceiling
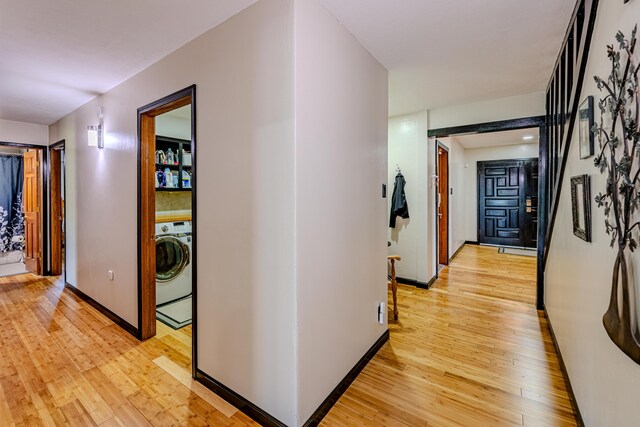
(57, 55)
(449, 52)
(495, 139)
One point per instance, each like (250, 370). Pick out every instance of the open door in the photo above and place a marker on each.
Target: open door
(33, 249)
(443, 206)
(55, 176)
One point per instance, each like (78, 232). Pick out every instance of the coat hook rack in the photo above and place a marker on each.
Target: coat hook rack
(398, 170)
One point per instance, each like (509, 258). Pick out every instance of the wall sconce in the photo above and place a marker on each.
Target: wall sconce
(95, 134)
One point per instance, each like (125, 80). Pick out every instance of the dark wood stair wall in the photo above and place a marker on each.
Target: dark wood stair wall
(562, 102)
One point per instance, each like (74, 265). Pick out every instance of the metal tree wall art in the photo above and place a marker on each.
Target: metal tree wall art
(619, 158)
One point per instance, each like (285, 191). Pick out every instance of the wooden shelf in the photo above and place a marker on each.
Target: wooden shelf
(177, 146)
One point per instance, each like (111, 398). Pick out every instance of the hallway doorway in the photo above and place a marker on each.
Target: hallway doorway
(490, 135)
(167, 226)
(22, 211)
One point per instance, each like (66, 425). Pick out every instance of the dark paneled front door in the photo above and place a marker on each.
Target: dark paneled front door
(507, 202)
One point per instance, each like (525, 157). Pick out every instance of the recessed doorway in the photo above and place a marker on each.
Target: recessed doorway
(167, 256)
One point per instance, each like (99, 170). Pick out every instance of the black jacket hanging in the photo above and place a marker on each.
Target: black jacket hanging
(399, 206)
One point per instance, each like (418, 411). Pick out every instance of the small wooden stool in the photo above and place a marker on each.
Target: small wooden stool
(394, 283)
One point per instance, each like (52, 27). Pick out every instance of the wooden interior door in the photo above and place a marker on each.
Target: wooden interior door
(55, 167)
(31, 196)
(443, 206)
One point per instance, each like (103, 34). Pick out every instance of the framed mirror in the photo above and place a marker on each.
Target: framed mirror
(585, 126)
(581, 206)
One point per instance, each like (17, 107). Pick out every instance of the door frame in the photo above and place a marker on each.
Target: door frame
(519, 159)
(543, 176)
(437, 233)
(146, 213)
(57, 146)
(44, 196)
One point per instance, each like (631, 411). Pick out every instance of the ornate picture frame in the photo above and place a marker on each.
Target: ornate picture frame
(585, 128)
(581, 206)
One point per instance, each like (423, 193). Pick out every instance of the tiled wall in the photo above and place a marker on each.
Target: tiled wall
(173, 201)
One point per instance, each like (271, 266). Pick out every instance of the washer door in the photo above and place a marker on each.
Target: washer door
(172, 256)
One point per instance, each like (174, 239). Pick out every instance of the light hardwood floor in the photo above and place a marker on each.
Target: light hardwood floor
(64, 363)
(471, 351)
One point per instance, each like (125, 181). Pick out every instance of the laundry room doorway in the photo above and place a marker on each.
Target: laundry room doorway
(166, 216)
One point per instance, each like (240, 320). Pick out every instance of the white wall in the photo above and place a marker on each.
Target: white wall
(407, 145)
(578, 274)
(513, 107)
(25, 133)
(173, 127)
(341, 160)
(470, 168)
(243, 70)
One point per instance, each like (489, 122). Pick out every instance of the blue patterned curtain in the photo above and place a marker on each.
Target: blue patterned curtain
(11, 215)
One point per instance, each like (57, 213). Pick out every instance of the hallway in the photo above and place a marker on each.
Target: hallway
(470, 351)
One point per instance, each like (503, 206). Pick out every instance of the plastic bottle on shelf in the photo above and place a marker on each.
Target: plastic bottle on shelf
(160, 179)
(186, 158)
(175, 179)
(186, 179)
(168, 177)
(171, 158)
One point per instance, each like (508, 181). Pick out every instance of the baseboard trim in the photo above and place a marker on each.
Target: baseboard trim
(412, 282)
(333, 397)
(456, 252)
(104, 310)
(471, 242)
(254, 412)
(432, 281)
(565, 374)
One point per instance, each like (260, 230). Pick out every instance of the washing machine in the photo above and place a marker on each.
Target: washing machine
(173, 261)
